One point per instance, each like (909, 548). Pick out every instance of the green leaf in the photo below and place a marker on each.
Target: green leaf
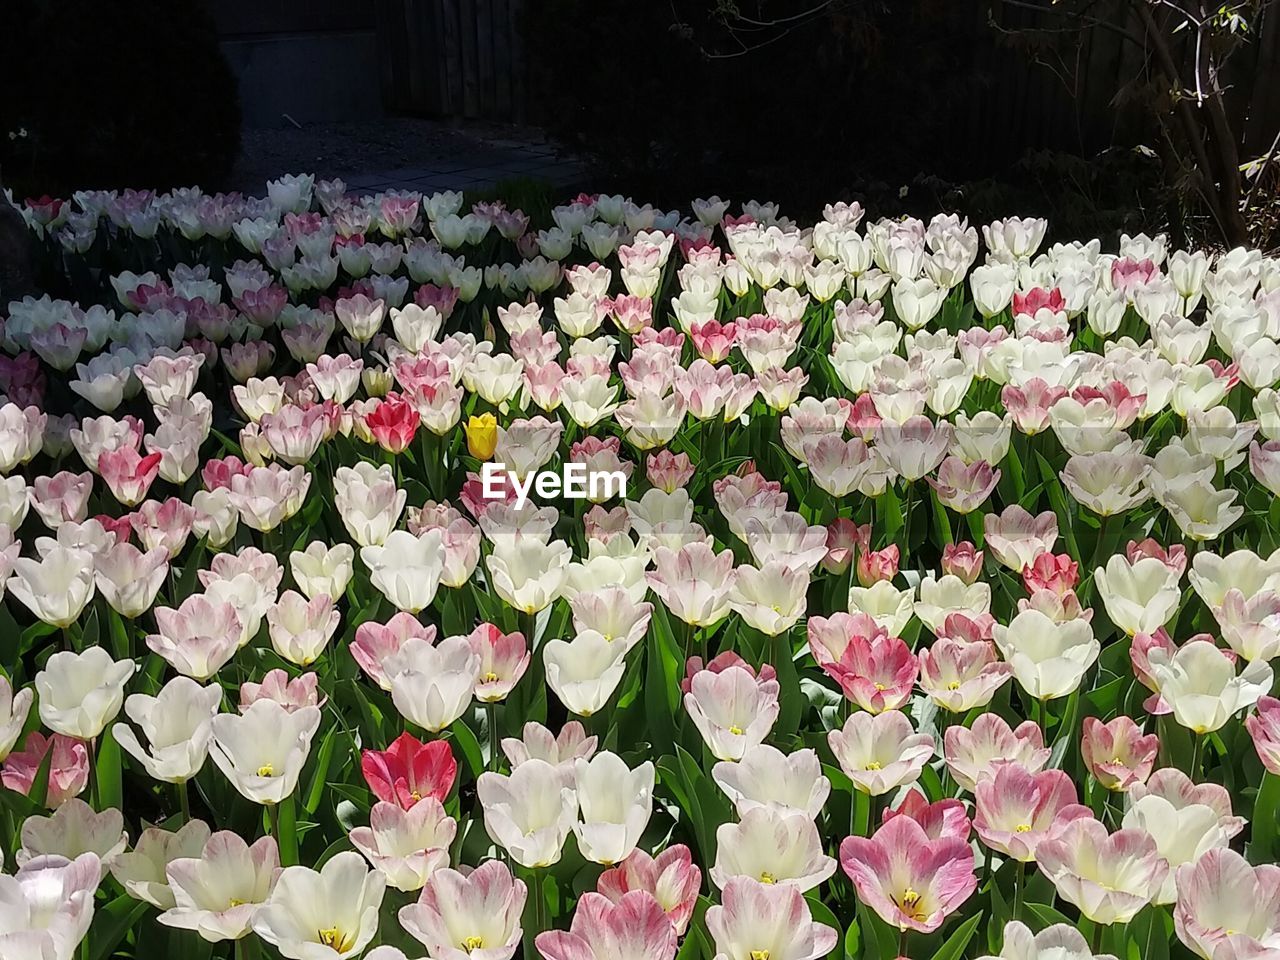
(1266, 810)
(461, 734)
(112, 923)
(323, 758)
(108, 769)
(954, 948)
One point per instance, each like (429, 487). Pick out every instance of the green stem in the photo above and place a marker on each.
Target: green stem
(184, 801)
(860, 814)
(1095, 940)
(1019, 880)
(284, 828)
(1197, 745)
(491, 713)
(539, 901)
(93, 773)
(247, 947)
(902, 942)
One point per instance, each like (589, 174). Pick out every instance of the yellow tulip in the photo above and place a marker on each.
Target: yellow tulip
(482, 436)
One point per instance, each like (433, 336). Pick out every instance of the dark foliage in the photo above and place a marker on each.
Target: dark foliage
(113, 93)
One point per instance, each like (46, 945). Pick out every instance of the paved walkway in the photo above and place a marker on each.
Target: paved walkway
(404, 153)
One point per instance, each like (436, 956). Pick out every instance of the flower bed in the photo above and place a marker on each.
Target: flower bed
(919, 596)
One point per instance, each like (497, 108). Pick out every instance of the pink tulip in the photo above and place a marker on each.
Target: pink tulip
(68, 769)
(973, 753)
(1228, 909)
(876, 565)
(409, 770)
(942, 818)
(393, 423)
(877, 672)
(1175, 557)
(128, 476)
(1016, 538)
(476, 915)
(198, 638)
(166, 524)
(504, 657)
(1140, 656)
(843, 539)
(61, 498)
(962, 560)
(375, 642)
(756, 919)
(1110, 877)
(880, 751)
(1057, 573)
(671, 877)
(1116, 753)
(912, 881)
(732, 708)
(291, 694)
(964, 487)
(1017, 810)
(634, 927)
(1030, 403)
(960, 674)
(669, 471)
(1264, 727)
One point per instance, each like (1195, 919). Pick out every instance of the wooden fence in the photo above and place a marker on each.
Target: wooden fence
(453, 58)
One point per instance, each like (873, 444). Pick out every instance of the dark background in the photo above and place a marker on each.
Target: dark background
(982, 107)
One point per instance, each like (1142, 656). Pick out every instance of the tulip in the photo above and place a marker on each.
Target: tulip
(72, 830)
(368, 501)
(219, 891)
(269, 496)
(409, 771)
(976, 752)
(406, 569)
(291, 694)
(1016, 538)
(1200, 685)
(585, 672)
(1061, 941)
(1183, 833)
(1109, 877)
(529, 813)
(671, 878)
(527, 574)
(263, 750)
(130, 579)
(1116, 753)
(48, 907)
(890, 607)
(943, 818)
(57, 587)
(880, 752)
(199, 638)
(68, 767)
(1226, 908)
(1139, 597)
(755, 920)
(142, 871)
(732, 708)
(81, 693)
(911, 881)
(612, 613)
(1049, 659)
(694, 583)
(432, 686)
(1017, 810)
(300, 628)
(559, 750)
(322, 571)
(635, 927)
(335, 907)
(406, 845)
(959, 675)
(475, 916)
(375, 642)
(772, 848)
(1264, 727)
(178, 727)
(14, 707)
(767, 778)
(771, 599)
(503, 661)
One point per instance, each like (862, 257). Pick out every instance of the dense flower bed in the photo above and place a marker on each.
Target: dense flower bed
(928, 608)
